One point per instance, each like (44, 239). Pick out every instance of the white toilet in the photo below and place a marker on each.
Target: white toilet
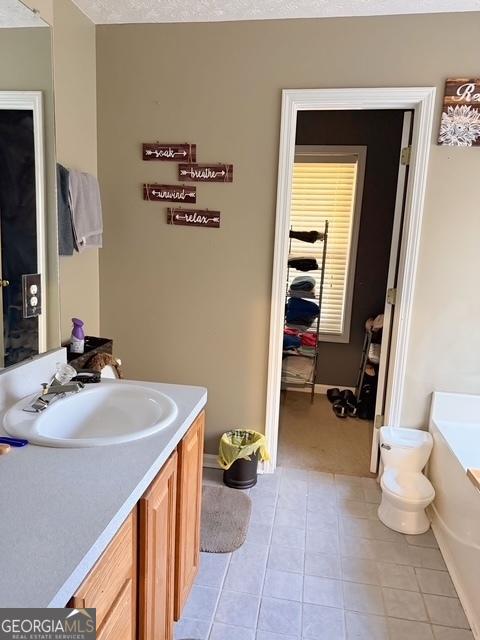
(406, 492)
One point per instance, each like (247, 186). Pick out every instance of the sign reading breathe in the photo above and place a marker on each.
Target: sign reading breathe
(205, 172)
(460, 124)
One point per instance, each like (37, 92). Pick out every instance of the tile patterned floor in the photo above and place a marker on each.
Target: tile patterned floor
(319, 565)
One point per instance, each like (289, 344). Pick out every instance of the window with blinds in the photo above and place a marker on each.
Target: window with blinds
(325, 187)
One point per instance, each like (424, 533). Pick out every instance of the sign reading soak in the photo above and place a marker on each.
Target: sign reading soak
(169, 152)
(47, 624)
(194, 217)
(205, 172)
(460, 124)
(169, 193)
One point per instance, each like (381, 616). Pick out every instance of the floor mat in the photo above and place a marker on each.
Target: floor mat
(225, 519)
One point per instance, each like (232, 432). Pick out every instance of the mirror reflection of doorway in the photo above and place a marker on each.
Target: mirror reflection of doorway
(18, 233)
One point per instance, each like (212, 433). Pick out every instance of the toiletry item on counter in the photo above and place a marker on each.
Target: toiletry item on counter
(77, 341)
(13, 442)
(4, 448)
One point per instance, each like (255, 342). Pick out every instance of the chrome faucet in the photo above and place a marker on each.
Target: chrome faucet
(58, 387)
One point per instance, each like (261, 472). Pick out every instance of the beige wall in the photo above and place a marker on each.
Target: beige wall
(192, 305)
(76, 131)
(26, 65)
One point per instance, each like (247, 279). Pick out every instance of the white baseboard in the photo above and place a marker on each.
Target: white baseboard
(210, 461)
(319, 388)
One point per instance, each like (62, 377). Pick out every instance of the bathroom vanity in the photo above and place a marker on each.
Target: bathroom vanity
(114, 527)
(154, 557)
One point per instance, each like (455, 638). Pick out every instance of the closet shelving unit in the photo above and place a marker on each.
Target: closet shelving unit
(303, 376)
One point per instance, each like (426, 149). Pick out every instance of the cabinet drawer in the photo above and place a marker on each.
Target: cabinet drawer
(113, 579)
(119, 623)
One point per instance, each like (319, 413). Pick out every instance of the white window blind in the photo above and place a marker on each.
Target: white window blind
(325, 190)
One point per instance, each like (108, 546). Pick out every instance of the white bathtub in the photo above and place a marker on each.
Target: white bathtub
(455, 513)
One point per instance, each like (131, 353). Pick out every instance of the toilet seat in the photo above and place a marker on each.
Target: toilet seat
(407, 485)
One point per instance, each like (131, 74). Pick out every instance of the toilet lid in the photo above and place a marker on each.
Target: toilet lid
(405, 438)
(409, 485)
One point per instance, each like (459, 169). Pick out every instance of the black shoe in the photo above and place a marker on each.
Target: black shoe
(333, 394)
(340, 409)
(352, 408)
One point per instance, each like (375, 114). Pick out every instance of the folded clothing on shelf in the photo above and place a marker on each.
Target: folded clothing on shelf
(300, 311)
(299, 326)
(291, 341)
(301, 294)
(303, 283)
(303, 263)
(309, 339)
(306, 236)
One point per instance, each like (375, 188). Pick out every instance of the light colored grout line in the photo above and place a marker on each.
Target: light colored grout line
(277, 492)
(220, 591)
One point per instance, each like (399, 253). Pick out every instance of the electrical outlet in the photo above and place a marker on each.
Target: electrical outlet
(32, 294)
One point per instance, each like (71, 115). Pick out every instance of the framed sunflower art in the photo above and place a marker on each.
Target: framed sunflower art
(460, 123)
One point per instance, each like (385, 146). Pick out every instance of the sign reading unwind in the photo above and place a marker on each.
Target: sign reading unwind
(460, 124)
(47, 624)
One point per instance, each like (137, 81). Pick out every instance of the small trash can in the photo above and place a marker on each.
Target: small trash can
(239, 452)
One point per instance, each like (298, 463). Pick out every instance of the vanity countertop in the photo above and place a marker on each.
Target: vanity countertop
(61, 507)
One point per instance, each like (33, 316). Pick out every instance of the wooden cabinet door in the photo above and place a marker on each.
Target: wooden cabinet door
(189, 498)
(110, 586)
(157, 555)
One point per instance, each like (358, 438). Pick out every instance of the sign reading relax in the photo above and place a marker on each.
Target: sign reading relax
(194, 217)
(460, 124)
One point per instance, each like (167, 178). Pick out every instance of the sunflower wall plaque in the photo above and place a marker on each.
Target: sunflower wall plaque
(460, 124)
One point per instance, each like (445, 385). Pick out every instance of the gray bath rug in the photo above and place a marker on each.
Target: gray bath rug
(225, 519)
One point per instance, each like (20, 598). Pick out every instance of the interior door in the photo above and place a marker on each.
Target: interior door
(389, 325)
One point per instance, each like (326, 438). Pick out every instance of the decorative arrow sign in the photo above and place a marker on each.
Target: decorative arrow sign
(169, 193)
(194, 217)
(169, 152)
(205, 172)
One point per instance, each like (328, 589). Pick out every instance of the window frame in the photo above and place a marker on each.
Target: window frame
(342, 153)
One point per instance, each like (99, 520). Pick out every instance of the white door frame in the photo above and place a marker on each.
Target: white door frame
(422, 101)
(33, 101)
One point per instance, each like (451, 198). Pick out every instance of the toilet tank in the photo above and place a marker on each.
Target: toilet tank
(404, 448)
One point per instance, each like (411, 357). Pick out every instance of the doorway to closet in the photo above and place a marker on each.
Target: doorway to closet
(347, 171)
(372, 251)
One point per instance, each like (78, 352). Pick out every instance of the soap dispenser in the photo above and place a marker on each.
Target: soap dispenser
(77, 340)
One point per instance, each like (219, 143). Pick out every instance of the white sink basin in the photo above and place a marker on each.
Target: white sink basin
(103, 414)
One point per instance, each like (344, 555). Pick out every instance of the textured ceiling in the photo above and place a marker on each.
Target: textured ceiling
(122, 11)
(15, 14)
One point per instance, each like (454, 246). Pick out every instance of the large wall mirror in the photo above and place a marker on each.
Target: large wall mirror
(29, 322)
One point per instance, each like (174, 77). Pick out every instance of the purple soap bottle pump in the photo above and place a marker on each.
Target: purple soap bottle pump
(77, 341)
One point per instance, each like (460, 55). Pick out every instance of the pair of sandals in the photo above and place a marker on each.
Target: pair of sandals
(344, 403)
